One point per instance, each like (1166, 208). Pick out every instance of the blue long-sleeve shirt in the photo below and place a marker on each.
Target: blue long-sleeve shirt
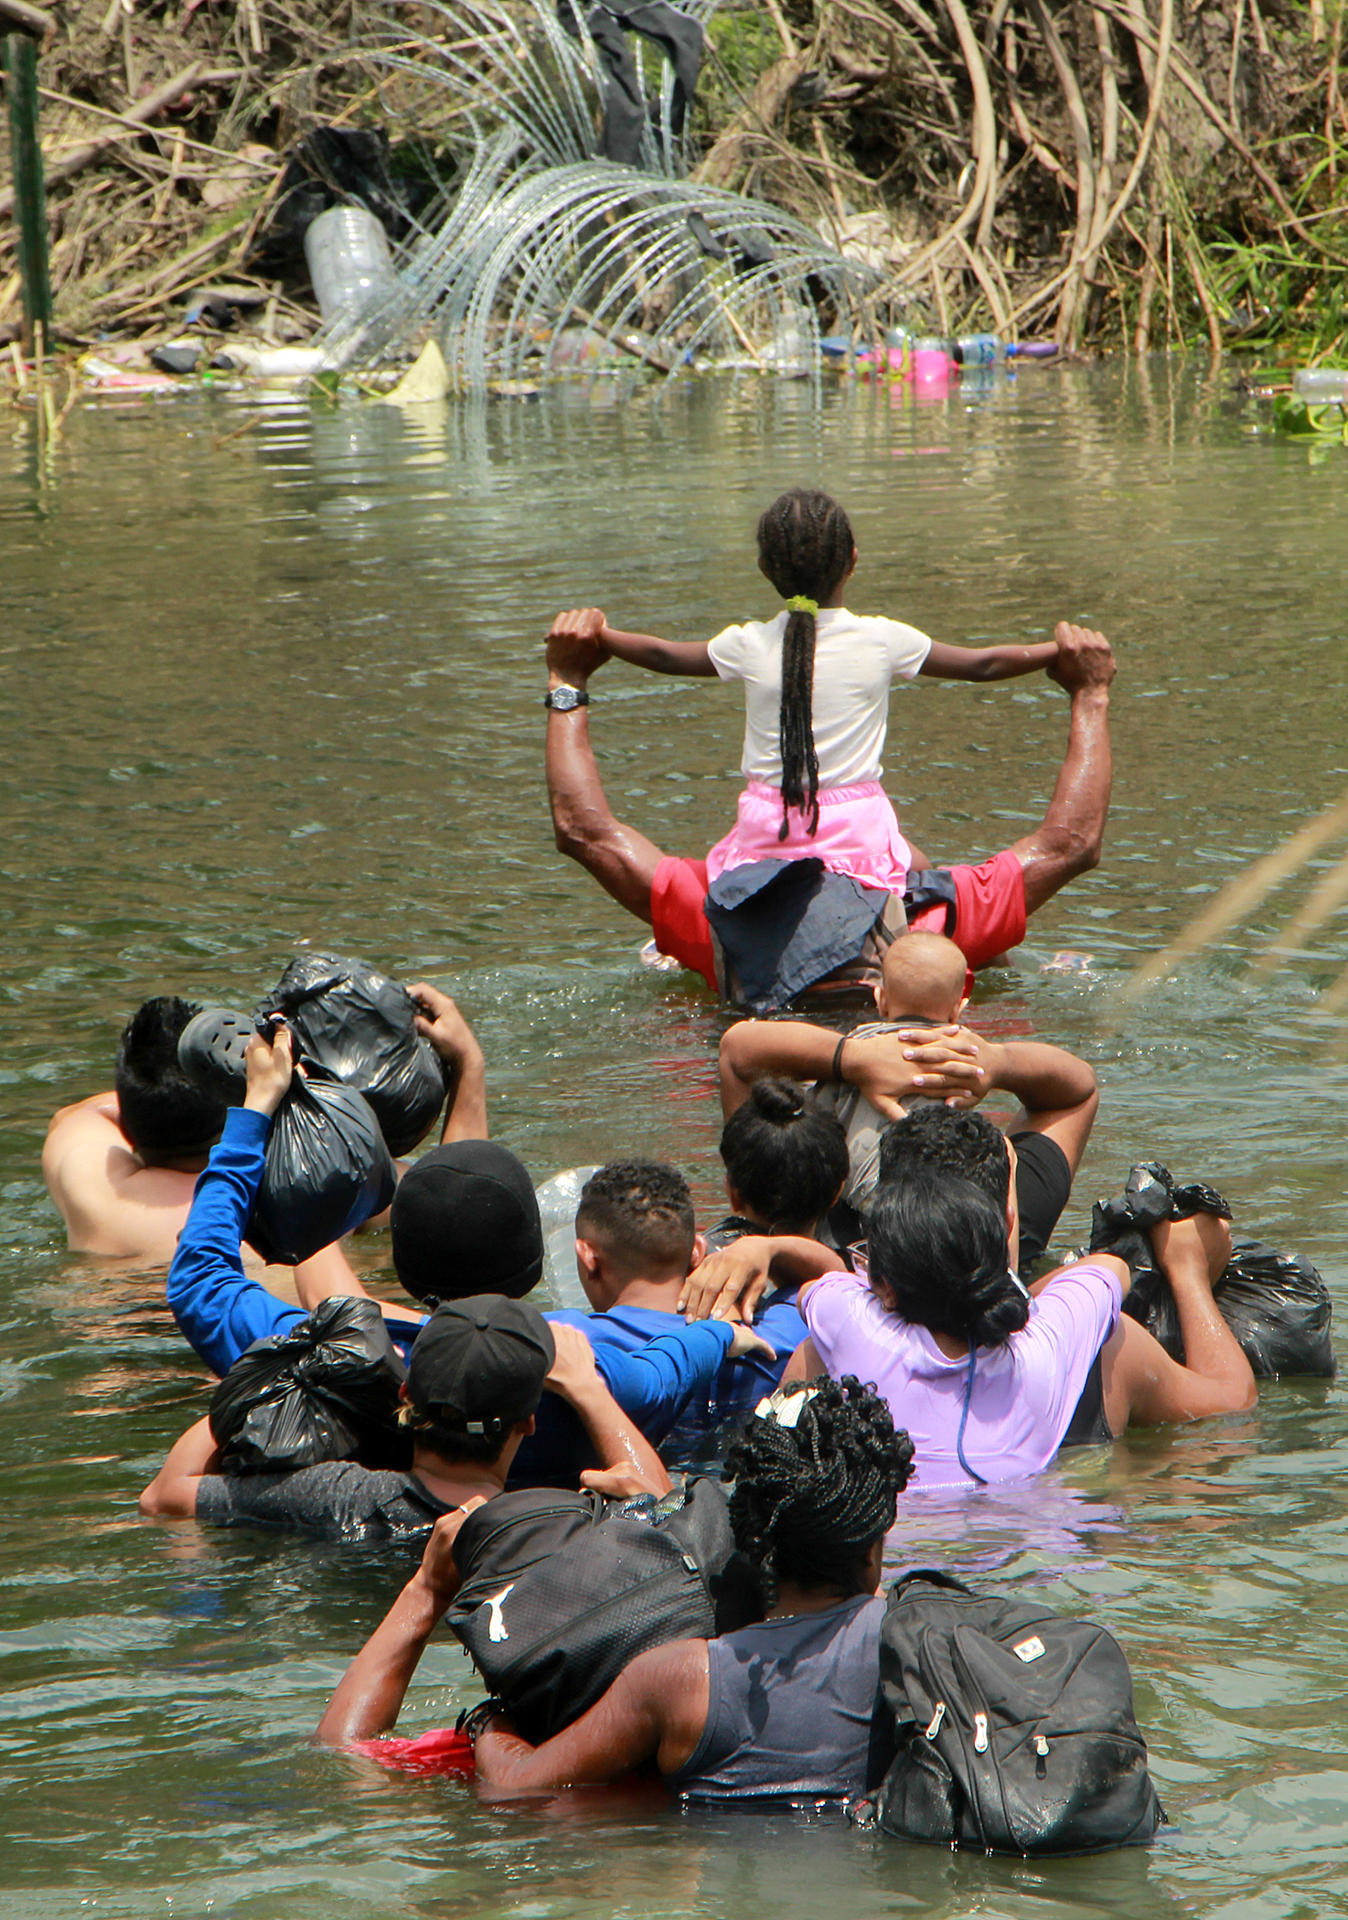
(654, 1371)
(219, 1309)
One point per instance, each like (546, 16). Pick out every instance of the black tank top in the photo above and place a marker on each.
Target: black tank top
(790, 1709)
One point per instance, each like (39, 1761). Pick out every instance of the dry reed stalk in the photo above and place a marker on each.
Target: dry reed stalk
(1239, 898)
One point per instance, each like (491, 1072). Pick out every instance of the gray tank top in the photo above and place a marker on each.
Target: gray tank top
(790, 1708)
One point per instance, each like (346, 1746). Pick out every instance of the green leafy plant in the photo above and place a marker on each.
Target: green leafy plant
(1304, 420)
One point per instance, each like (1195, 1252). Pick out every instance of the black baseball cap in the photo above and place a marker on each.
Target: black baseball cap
(479, 1364)
(465, 1221)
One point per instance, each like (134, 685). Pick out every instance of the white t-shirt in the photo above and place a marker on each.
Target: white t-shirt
(856, 656)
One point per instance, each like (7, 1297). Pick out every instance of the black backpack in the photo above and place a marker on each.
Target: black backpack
(1013, 1726)
(559, 1591)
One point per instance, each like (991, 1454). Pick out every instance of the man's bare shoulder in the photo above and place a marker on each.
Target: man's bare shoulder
(110, 1201)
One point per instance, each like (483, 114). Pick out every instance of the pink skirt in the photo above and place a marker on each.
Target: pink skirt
(858, 834)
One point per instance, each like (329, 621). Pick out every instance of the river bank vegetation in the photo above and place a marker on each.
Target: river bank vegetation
(1115, 174)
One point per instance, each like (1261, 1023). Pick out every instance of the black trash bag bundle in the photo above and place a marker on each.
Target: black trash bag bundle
(1278, 1308)
(359, 1026)
(324, 1390)
(327, 1170)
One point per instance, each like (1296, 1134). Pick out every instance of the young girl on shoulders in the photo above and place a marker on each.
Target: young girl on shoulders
(816, 687)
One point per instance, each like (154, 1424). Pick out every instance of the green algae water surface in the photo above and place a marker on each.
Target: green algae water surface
(284, 688)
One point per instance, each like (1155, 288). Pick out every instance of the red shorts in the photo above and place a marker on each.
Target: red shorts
(989, 911)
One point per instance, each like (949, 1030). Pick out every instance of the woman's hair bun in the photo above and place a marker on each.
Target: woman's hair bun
(778, 1100)
(998, 1306)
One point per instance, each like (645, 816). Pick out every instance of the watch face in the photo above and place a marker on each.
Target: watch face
(565, 699)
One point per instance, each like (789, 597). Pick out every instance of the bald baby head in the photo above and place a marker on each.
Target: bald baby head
(923, 979)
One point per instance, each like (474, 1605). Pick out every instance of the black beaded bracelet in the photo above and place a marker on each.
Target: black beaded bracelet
(473, 1720)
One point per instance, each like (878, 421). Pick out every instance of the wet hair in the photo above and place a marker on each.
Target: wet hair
(810, 1498)
(939, 1248)
(161, 1110)
(785, 1159)
(452, 1444)
(924, 975)
(640, 1212)
(949, 1141)
(805, 547)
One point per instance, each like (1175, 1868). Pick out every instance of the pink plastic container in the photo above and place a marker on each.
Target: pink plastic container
(932, 366)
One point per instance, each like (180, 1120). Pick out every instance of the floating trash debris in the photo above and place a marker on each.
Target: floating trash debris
(553, 257)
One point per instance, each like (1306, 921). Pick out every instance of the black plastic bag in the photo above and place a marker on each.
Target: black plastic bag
(1278, 1308)
(325, 1390)
(327, 1170)
(359, 1027)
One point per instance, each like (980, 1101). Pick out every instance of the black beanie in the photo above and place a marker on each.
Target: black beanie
(465, 1220)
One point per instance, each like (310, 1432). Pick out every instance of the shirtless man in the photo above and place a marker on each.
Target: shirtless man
(121, 1166)
(983, 908)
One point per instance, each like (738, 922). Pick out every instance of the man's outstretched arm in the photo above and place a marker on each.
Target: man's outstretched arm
(1071, 836)
(439, 1021)
(622, 860)
(371, 1691)
(219, 1310)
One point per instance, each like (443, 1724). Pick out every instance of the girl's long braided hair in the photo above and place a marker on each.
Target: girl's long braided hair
(810, 1497)
(805, 548)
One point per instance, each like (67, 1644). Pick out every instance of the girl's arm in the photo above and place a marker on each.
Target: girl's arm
(660, 656)
(638, 649)
(987, 663)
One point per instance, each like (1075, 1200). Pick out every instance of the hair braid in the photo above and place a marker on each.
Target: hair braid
(805, 548)
(810, 1499)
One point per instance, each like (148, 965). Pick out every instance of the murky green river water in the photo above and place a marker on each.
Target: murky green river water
(285, 687)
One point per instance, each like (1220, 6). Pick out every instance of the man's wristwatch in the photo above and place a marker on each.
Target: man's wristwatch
(566, 699)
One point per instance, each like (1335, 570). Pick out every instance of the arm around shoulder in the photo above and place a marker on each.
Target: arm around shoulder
(655, 1710)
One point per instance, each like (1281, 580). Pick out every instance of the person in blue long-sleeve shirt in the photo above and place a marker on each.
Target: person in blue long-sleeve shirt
(465, 1220)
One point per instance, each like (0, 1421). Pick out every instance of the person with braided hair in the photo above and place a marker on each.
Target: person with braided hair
(816, 685)
(841, 824)
(769, 1714)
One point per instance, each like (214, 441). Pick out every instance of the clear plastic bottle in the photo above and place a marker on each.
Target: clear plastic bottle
(1321, 384)
(978, 350)
(899, 351)
(790, 352)
(349, 264)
